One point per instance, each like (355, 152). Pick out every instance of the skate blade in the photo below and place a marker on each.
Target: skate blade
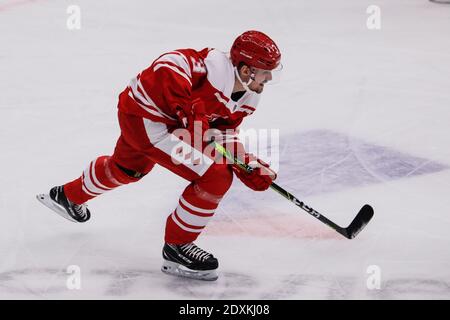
(49, 203)
(176, 269)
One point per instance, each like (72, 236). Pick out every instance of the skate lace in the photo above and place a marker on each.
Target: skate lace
(80, 209)
(195, 252)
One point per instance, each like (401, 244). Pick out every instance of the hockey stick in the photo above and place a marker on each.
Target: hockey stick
(359, 222)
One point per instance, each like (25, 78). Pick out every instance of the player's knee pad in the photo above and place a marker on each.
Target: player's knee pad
(131, 173)
(120, 173)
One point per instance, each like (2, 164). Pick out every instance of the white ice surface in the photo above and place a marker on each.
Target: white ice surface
(389, 88)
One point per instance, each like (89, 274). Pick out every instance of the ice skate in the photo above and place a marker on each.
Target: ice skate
(58, 202)
(189, 261)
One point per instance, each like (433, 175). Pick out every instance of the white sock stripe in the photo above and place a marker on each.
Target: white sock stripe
(194, 208)
(101, 185)
(89, 184)
(174, 218)
(83, 187)
(191, 219)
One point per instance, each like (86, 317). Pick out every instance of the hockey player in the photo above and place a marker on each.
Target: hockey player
(180, 89)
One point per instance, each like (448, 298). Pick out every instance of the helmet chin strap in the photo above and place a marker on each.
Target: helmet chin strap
(244, 84)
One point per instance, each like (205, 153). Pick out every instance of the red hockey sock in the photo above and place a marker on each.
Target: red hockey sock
(197, 205)
(100, 176)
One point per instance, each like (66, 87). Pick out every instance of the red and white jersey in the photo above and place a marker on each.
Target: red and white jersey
(177, 78)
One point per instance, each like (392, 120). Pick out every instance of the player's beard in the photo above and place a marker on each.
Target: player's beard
(258, 89)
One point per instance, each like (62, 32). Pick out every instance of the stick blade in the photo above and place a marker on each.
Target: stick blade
(362, 218)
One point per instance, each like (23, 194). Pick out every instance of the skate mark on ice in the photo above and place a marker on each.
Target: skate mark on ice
(229, 285)
(98, 283)
(312, 286)
(346, 287)
(412, 288)
(35, 282)
(120, 283)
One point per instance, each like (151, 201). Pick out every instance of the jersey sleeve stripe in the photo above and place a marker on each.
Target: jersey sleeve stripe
(178, 60)
(182, 56)
(149, 109)
(152, 103)
(166, 65)
(140, 96)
